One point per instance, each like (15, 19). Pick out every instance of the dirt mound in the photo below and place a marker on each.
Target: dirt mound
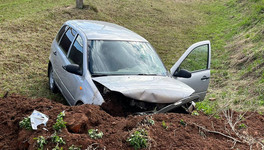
(182, 132)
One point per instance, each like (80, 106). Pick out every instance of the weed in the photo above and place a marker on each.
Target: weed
(242, 126)
(207, 107)
(164, 125)
(57, 139)
(241, 117)
(95, 146)
(61, 115)
(237, 101)
(261, 102)
(41, 141)
(60, 124)
(149, 121)
(139, 139)
(25, 123)
(182, 122)
(247, 35)
(73, 147)
(216, 116)
(195, 113)
(95, 134)
(57, 148)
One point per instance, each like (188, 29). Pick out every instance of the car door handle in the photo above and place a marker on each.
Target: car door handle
(205, 78)
(55, 52)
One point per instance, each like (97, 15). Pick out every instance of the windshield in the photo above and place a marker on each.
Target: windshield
(124, 58)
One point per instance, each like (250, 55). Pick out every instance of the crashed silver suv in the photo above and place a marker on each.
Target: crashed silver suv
(95, 62)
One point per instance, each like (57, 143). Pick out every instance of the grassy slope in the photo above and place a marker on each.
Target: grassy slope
(171, 27)
(238, 64)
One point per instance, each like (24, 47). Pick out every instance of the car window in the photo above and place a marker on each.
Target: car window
(67, 39)
(196, 60)
(62, 30)
(76, 52)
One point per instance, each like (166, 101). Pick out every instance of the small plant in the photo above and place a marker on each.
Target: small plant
(25, 123)
(242, 126)
(139, 139)
(57, 139)
(247, 35)
(95, 134)
(182, 122)
(216, 116)
(73, 147)
(241, 117)
(60, 124)
(57, 148)
(41, 141)
(61, 115)
(208, 107)
(149, 121)
(195, 113)
(261, 102)
(164, 125)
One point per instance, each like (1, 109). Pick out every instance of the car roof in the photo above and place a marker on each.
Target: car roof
(100, 30)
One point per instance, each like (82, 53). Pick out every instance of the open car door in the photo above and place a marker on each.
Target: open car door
(195, 60)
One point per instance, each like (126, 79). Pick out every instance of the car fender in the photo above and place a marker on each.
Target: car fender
(88, 93)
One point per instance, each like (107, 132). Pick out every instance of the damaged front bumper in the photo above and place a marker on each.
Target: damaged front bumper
(151, 89)
(193, 97)
(179, 103)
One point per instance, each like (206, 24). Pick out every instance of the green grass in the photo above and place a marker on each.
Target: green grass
(16, 9)
(234, 27)
(238, 58)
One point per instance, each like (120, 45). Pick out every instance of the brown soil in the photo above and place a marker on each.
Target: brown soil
(117, 129)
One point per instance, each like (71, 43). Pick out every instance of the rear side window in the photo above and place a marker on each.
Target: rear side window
(76, 52)
(67, 39)
(62, 30)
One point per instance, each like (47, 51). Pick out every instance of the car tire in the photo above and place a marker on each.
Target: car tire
(52, 85)
(79, 103)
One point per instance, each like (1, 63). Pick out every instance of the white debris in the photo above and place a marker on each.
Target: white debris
(37, 118)
(45, 129)
(192, 107)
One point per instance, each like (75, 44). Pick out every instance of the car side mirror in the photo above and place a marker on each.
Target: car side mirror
(183, 73)
(73, 68)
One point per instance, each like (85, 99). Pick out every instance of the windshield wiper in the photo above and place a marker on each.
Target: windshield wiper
(144, 74)
(140, 74)
(99, 75)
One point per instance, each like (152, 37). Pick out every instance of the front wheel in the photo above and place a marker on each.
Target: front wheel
(52, 85)
(79, 103)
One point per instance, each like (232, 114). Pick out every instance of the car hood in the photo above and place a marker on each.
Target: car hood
(155, 89)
